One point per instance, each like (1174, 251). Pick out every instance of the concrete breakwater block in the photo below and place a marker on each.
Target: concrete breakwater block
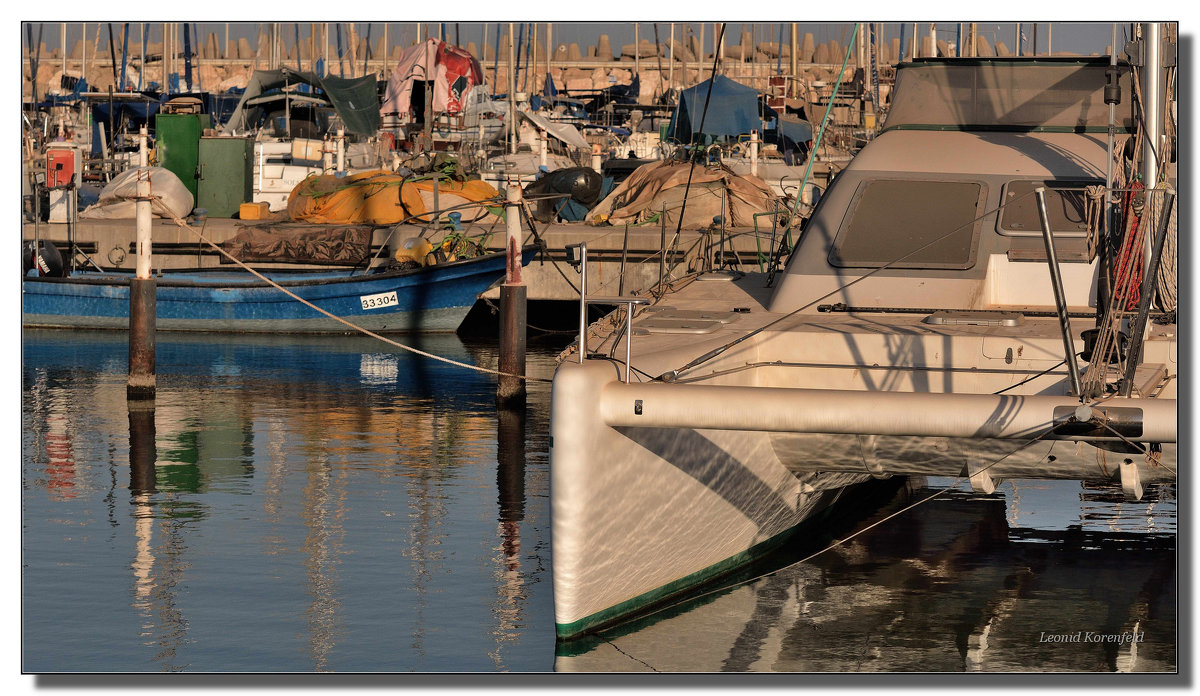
(604, 48)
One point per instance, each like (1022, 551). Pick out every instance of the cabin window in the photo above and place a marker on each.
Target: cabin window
(911, 224)
(1066, 205)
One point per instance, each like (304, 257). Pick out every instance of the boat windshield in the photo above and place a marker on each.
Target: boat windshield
(1005, 94)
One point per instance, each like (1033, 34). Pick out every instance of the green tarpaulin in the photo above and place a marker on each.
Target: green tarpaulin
(356, 100)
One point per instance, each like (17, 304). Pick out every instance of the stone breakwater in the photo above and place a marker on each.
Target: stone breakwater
(1092, 637)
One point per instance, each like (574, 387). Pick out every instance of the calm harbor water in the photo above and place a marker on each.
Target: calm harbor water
(333, 504)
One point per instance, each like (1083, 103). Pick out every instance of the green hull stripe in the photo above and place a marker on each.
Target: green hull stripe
(631, 606)
(1005, 129)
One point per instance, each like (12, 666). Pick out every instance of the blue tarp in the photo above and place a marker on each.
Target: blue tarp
(734, 110)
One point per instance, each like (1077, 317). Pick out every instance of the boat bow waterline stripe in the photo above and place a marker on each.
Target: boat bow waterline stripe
(645, 600)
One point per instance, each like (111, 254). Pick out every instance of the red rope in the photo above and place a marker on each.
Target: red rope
(1128, 286)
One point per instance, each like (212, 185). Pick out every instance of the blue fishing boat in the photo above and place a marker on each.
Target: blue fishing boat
(430, 299)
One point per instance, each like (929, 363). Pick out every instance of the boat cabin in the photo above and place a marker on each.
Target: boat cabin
(944, 196)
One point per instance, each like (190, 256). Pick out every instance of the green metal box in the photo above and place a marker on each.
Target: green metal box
(226, 171)
(177, 139)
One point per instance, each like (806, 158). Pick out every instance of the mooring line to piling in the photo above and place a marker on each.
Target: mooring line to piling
(349, 324)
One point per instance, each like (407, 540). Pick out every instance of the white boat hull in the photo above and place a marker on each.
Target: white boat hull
(640, 514)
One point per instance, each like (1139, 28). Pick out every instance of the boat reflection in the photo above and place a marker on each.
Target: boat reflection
(947, 586)
(313, 413)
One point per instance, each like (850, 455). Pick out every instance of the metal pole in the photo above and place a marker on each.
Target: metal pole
(795, 59)
(624, 256)
(637, 50)
(1060, 300)
(1112, 97)
(510, 391)
(582, 301)
(671, 68)
(142, 294)
(512, 88)
(662, 246)
(1152, 90)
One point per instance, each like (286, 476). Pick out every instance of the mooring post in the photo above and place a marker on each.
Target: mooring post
(753, 153)
(510, 392)
(341, 150)
(142, 293)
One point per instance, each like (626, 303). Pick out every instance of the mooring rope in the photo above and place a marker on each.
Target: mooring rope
(347, 323)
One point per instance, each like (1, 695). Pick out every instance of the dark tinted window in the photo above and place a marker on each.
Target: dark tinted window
(924, 224)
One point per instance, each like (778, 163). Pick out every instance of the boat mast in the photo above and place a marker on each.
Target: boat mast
(1152, 92)
(512, 87)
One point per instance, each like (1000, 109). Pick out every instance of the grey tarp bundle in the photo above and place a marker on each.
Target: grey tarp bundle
(118, 200)
(356, 100)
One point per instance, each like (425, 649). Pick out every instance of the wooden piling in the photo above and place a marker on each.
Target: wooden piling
(510, 390)
(142, 306)
(142, 296)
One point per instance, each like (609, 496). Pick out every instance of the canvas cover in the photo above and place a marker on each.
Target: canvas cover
(658, 187)
(118, 199)
(453, 72)
(385, 198)
(355, 99)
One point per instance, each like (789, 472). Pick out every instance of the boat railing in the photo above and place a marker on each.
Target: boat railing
(627, 301)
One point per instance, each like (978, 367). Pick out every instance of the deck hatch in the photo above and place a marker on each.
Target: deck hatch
(1066, 203)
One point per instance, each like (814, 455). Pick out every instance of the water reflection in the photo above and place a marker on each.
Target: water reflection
(510, 487)
(321, 512)
(948, 586)
(157, 569)
(284, 448)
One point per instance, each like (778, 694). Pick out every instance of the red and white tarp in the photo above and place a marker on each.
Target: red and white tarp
(452, 70)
